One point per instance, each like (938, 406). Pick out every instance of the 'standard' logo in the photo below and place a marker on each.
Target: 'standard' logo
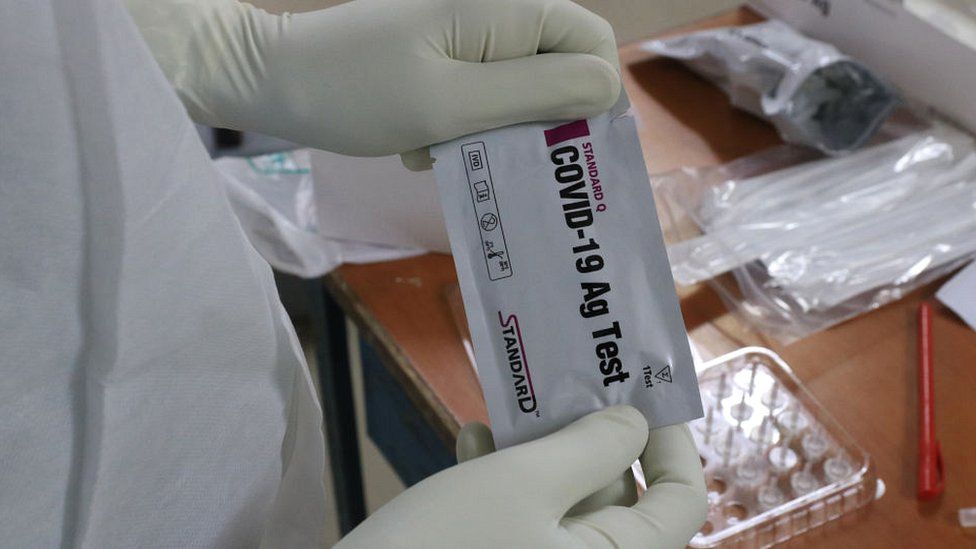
(515, 354)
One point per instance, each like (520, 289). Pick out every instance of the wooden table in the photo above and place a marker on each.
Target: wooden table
(862, 371)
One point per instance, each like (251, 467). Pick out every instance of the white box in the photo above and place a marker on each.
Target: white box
(921, 60)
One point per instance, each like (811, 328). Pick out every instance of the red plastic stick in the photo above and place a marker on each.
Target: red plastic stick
(931, 477)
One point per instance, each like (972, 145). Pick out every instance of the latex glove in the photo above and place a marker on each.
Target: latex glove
(377, 77)
(476, 440)
(521, 496)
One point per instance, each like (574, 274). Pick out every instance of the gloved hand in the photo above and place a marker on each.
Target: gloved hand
(378, 77)
(521, 496)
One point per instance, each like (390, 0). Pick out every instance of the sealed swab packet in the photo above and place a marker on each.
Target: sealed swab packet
(809, 90)
(564, 275)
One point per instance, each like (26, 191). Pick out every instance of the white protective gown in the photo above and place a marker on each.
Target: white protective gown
(153, 391)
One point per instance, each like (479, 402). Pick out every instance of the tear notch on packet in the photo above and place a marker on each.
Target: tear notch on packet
(564, 276)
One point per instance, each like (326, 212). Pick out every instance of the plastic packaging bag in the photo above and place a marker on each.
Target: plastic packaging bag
(815, 243)
(565, 280)
(812, 93)
(274, 198)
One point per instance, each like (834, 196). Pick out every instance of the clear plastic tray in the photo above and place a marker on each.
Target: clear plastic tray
(776, 463)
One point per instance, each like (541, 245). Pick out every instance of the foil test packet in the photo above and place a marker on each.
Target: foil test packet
(564, 275)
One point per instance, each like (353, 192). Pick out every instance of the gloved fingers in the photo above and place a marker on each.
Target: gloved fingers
(671, 524)
(670, 512)
(473, 441)
(622, 491)
(571, 28)
(553, 86)
(676, 495)
(579, 459)
(671, 457)
(498, 30)
(417, 160)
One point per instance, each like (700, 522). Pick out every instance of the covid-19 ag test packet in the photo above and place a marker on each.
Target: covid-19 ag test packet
(564, 275)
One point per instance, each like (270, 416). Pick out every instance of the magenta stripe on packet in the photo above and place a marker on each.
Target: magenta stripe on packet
(566, 132)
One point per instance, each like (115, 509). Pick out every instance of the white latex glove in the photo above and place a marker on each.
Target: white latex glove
(377, 77)
(522, 496)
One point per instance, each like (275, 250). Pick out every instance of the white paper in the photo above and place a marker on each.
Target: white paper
(377, 200)
(276, 201)
(959, 294)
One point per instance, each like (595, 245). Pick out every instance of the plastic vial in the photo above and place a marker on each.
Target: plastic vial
(766, 434)
(792, 423)
(775, 398)
(721, 389)
(741, 411)
(728, 450)
(749, 473)
(837, 468)
(745, 378)
(814, 446)
(782, 459)
(708, 426)
(770, 496)
(803, 482)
